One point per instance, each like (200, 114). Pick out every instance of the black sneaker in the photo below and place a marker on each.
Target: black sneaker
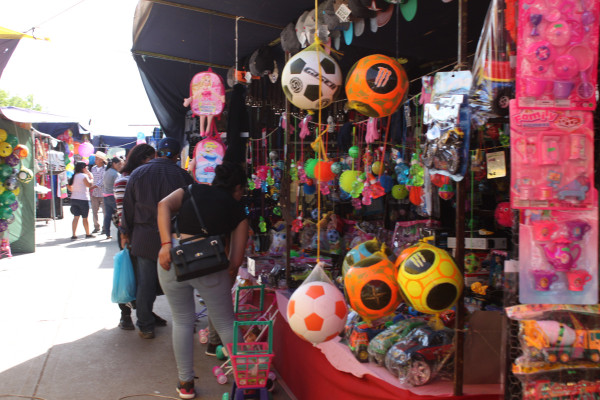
(211, 349)
(186, 390)
(96, 230)
(158, 321)
(126, 323)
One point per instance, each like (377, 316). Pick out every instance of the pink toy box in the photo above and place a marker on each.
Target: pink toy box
(552, 154)
(558, 258)
(557, 57)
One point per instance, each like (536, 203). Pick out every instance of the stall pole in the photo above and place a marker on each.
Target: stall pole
(286, 186)
(52, 191)
(460, 222)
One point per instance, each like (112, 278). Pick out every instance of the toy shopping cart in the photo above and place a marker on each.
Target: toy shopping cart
(251, 362)
(252, 303)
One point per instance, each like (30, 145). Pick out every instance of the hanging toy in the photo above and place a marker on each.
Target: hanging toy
(325, 189)
(357, 204)
(367, 157)
(251, 185)
(357, 186)
(297, 224)
(304, 131)
(262, 225)
(416, 172)
(354, 152)
(367, 195)
(376, 189)
(372, 131)
(207, 98)
(302, 174)
(293, 171)
(330, 124)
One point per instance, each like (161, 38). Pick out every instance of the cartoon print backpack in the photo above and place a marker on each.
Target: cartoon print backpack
(208, 153)
(207, 98)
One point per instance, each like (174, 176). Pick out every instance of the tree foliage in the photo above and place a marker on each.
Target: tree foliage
(6, 100)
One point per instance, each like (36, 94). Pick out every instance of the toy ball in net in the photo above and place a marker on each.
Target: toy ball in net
(371, 287)
(376, 86)
(302, 73)
(362, 251)
(317, 312)
(309, 167)
(430, 280)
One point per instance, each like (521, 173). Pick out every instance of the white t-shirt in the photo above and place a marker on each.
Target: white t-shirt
(78, 190)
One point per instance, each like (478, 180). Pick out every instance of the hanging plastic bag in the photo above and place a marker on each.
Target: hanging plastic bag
(124, 285)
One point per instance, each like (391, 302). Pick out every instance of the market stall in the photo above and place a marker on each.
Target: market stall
(400, 203)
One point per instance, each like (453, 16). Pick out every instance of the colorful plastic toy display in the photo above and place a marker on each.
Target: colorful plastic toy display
(557, 56)
(555, 339)
(551, 158)
(558, 255)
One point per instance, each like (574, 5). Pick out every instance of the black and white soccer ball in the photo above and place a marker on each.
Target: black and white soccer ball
(301, 74)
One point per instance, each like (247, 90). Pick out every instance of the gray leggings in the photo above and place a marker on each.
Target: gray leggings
(215, 289)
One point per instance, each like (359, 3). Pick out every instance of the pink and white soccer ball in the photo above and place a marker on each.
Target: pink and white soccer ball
(317, 312)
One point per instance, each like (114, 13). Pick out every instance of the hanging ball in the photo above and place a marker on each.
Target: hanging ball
(309, 189)
(5, 212)
(309, 167)
(353, 152)
(5, 149)
(3, 225)
(336, 168)
(11, 183)
(376, 86)
(386, 182)
(323, 171)
(376, 167)
(14, 205)
(25, 175)
(20, 151)
(3, 135)
(399, 192)
(12, 160)
(347, 179)
(12, 140)
(430, 280)
(273, 156)
(446, 192)
(302, 74)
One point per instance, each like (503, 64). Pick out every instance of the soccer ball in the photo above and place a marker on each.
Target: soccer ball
(300, 78)
(317, 312)
(376, 86)
(430, 280)
(371, 287)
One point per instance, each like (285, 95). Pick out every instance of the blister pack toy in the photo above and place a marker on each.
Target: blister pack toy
(556, 338)
(448, 120)
(558, 255)
(552, 154)
(557, 56)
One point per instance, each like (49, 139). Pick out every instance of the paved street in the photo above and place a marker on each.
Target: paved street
(59, 338)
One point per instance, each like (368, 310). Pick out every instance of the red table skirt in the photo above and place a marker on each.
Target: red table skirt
(310, 376)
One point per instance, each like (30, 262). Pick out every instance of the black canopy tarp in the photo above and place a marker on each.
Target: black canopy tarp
(125, 142)
(174, 40)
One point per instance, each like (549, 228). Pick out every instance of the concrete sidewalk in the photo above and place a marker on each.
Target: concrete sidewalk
(59, 338)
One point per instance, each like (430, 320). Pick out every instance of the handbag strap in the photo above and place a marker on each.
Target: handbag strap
(202, 226)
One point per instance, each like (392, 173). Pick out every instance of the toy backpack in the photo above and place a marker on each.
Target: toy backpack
(207, 98)
(208, 153)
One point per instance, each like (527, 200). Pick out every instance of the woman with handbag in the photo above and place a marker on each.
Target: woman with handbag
(203, 214)
(79, 185)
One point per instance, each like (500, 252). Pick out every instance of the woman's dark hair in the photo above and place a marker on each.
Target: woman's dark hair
(114, 160)
(79, 167)
(137, 156)
(228, 175)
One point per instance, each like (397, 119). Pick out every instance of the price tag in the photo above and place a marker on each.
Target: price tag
(496, 164)
(342, 11)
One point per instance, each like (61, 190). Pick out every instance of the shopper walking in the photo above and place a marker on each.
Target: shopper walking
(139, 155)
(223, 214)
(108, 181)
(148, 185)
(79, 185)
(97, 198)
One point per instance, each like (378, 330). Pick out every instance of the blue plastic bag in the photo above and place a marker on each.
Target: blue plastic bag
(124, 286)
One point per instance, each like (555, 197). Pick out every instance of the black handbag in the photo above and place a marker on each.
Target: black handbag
(198, 255)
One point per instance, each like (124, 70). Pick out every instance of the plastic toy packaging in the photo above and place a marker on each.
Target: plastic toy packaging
(448, 121)
(493, 67)
(552, 154)
(558, 255)
(380, 344)
(558, 54)
(555, 338)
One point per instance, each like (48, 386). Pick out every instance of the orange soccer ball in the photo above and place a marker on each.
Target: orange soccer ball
(376, 86)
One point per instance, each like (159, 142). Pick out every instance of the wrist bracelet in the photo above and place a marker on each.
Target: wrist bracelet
(162, 244)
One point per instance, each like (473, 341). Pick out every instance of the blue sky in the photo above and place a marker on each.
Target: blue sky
(86, 70)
